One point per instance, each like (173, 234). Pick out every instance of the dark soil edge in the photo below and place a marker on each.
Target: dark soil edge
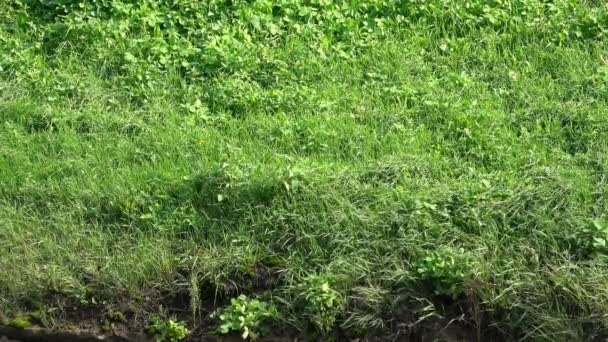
(47, 335)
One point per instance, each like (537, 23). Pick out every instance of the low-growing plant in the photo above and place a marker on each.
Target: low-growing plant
(592, 240)
(24, 320)
(20, 322)
(246, 316)
(322, 302)
(116, 316)
(167, 330)
(446, 270)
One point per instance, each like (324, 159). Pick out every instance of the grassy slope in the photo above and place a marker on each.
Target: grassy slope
(471, 161)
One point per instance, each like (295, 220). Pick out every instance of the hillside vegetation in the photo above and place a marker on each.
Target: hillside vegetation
(345, 168)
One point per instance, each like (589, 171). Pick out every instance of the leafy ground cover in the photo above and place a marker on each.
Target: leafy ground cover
(346, 168)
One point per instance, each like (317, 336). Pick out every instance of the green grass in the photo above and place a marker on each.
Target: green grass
(400, 150)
